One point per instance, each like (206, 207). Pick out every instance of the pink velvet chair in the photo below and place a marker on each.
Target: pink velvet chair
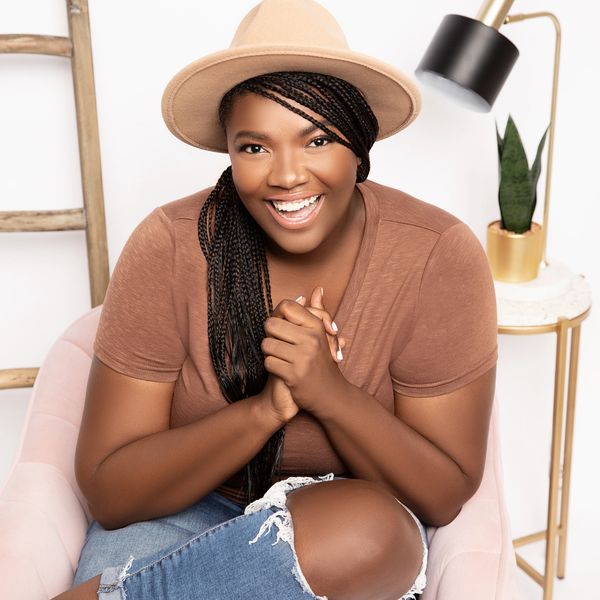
(44, 516)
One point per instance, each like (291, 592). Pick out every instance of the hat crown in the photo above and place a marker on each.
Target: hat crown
(275, 36)
(289, 23)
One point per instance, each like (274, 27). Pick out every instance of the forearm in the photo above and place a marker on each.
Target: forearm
(166, 472)
(377, 446)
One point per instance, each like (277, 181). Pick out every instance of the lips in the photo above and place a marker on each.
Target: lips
(297, 223)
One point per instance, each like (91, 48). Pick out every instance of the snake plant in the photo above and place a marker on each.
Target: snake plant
(517, 193)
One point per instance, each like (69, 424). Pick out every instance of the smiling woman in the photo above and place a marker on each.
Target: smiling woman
(214, 395)
(287, 163)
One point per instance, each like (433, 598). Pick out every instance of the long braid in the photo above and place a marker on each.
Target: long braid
(239, 287)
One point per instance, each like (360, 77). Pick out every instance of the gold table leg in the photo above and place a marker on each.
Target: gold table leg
(557, 422)
(561, 454)
(568, 451)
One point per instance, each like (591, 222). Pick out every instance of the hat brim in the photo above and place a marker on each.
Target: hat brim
(191, 99)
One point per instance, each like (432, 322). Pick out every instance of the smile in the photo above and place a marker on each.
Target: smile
(295, 204)
(296, 214)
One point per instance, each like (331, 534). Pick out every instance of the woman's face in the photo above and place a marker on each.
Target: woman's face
(277, 153)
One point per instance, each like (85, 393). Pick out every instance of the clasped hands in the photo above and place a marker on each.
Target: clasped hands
(301, 357)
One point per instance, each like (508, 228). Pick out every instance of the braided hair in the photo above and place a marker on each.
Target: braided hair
(239, 289)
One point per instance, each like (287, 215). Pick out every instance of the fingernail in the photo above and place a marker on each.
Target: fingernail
(334, 326)
(339, 355)
(299, 298)
(322, 292)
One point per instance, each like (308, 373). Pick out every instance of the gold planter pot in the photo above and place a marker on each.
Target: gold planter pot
(514, 257)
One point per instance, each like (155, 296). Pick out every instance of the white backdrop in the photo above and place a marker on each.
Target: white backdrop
(447, 157)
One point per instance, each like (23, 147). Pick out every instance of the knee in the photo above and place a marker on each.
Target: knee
(354, 540)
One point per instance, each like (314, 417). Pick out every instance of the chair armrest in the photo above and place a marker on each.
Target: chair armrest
(473, 556)
(43, 529)
(468, 575)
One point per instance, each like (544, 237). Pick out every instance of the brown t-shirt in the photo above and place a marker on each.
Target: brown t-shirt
(418, 315)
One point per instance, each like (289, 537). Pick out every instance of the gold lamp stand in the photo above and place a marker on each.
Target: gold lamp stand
(469, 60)
(515, 258)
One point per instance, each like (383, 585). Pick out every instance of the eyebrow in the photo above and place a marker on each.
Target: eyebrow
(261, 136)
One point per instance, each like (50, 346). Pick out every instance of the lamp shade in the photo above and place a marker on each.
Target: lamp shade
(468, 61)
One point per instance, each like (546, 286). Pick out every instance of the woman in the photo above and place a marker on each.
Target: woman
(219, 336)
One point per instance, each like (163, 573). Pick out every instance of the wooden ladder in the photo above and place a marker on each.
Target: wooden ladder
(77, 48)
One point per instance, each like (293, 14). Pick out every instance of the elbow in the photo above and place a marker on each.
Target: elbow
(445, 515)
(105, 519)
(443, 519)
(100, 511)
(101, 501)
(438, 515)
(108, 516)
(108, 513)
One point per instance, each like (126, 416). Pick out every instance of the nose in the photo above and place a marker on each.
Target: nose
(286, 171)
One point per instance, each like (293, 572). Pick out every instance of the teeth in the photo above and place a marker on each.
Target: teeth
(293, 206)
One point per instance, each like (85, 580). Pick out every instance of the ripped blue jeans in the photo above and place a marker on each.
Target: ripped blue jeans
(214, 550)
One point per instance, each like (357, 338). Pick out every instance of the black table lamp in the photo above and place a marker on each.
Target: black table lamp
(469, 60)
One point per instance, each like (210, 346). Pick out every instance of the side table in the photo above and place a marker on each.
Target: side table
(557, 301)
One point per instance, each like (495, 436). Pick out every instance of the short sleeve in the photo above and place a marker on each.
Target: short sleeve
(454, 335)
(137, 333)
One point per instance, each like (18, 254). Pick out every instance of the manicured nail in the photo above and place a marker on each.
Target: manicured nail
(299, 298)
(334, 326)
(339, 355)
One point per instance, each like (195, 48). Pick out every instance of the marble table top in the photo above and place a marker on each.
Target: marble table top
(556, 292)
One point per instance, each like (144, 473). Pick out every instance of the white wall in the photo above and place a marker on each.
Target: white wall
(447, 157)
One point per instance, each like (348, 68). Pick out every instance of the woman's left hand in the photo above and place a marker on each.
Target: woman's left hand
(297, 349)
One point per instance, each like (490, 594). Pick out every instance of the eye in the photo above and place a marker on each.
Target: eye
(243, 148)
(323, 138)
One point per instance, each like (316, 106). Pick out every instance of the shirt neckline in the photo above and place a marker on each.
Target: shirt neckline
(364, 256)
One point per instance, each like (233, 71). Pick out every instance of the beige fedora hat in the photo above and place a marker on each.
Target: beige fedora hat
(283, 35)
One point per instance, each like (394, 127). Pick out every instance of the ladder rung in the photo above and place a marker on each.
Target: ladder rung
(42, 220)
(529, 539)
(17, 378)
(530, 570)
(21, 43)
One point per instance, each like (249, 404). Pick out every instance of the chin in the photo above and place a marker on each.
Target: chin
(294, 243)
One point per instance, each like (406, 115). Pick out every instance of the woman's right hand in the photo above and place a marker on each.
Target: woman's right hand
(277, 396)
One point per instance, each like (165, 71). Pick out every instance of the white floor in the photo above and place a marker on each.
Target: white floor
(525, 491)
